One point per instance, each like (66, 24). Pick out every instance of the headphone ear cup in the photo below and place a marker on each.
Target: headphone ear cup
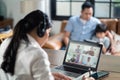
(41, 30)
(42, 27)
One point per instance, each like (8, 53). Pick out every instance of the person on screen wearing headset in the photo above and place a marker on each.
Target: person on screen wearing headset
(22, 54)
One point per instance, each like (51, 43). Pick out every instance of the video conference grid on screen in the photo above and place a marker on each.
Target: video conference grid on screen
(82, 54)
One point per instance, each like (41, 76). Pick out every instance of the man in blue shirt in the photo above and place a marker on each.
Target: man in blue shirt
(81, 27)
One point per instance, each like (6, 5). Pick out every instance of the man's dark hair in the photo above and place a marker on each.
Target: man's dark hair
(87, 4)
(101, 28)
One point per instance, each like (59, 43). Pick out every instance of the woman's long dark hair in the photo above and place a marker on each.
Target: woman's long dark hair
(24, 26)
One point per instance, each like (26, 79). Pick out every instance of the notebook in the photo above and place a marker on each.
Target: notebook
(80, 57)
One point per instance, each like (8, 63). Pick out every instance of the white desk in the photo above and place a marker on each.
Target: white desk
(107, 63)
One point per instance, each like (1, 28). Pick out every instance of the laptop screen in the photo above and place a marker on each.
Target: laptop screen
(83, 54)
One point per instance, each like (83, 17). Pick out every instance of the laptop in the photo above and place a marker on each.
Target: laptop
(80, 57)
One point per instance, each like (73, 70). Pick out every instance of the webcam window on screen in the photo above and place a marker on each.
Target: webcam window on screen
(82, 54)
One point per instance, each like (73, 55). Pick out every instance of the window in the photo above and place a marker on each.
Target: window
(107, 8)
(63, 9)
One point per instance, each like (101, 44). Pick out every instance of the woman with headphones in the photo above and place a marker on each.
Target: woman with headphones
(22, 55)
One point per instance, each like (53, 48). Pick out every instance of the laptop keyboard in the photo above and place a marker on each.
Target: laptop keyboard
(72, 74)
(66, 72)
(60, 67)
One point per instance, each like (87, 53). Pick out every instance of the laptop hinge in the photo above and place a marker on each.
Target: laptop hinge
(74, 69)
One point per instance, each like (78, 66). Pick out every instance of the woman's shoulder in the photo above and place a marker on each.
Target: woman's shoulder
(32, 51)
(31, 55)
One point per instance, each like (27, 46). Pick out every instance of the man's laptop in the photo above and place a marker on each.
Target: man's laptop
(80, 57)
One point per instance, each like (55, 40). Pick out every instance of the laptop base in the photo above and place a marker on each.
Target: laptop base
(69, 71)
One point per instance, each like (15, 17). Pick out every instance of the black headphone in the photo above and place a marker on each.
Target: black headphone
(42, 27)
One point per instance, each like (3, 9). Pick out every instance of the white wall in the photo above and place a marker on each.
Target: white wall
(56, 26)
(14, 11)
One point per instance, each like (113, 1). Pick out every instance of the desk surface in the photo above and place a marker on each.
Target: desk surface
(107, 63)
